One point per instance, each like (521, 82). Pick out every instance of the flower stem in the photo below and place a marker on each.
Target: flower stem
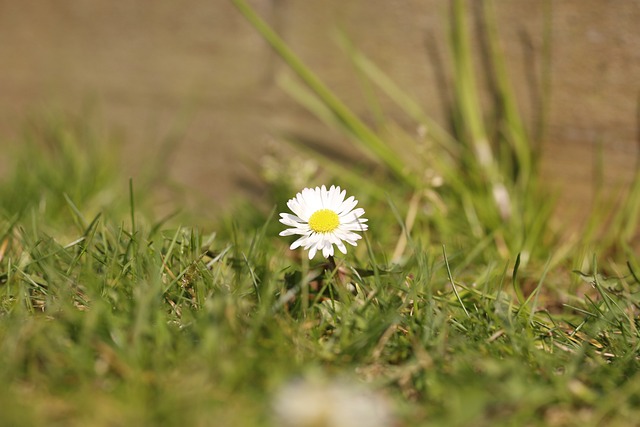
(332, 265)
(335, 271)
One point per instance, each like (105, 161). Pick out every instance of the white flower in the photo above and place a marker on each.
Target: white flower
(323, 218)
(315, 403)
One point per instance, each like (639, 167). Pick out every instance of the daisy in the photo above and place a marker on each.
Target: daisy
(331, 403)
(323, 218)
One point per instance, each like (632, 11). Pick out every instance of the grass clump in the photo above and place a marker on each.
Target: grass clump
(466, 310)
(125, 320)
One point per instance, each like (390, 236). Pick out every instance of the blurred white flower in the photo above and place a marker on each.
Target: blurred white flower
(337, 404)
(323, 218)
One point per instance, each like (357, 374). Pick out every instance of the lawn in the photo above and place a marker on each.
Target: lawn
(464, 303)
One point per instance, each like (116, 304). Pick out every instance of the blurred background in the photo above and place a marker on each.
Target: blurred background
(196, 79)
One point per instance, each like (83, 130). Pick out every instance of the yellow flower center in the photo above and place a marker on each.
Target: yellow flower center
(324, 221)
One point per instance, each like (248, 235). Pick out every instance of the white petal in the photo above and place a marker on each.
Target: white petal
(354, 226)
(300, 242)
(320, 243)
(312, 252)
(338, 242)
(291, 220)
(324, 197)
(292, 231)
(347, 205)
(312, 202)
(330, 194)
(346, 219)
(338, 199)
(296, 208)
(303, 201)
(352, 215)
(352, 238)
(312, 240)
(327, 250)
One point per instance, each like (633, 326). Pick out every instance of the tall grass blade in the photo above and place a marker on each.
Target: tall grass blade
(362, 134)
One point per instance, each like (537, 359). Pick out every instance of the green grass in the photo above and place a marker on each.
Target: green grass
(111, 318)
(468, 312)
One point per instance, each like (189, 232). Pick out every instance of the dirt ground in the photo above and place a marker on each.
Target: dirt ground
(160, 68)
